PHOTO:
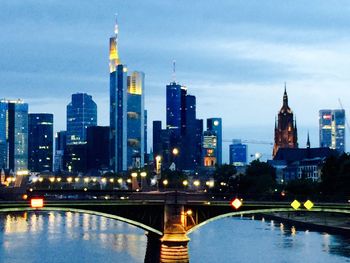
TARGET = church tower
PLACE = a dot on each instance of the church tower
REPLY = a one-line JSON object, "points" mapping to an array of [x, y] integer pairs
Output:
{"points": [[285, 127]]}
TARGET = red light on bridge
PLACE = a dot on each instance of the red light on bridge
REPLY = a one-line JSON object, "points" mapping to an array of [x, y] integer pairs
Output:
{"points": [[37, 202], [236, 203]]}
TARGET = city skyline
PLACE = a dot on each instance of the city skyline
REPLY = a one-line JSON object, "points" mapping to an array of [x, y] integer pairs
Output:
{"points": [[245, 58]]}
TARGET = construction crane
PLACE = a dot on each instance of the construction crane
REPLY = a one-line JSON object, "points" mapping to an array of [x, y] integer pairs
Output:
{"points": [[346, 120], [251, 141]]}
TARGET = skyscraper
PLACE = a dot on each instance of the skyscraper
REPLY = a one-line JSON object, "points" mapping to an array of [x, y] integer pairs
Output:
{"points": [[215, 126], [127, 113], [209, 149], [332, 129], [135, 120], [238, 153], [174, 105], [97, 148], [60, 146], [40, 142], [14, 135], [81, 113], [286, 135]]}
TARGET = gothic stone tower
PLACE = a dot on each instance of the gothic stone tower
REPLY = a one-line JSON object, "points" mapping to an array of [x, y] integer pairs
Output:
{"points": [[285, 127]]}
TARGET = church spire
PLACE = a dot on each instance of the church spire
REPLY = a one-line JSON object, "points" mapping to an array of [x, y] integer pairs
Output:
{"points": [[113, 48], [285, 96], [308, 145]]}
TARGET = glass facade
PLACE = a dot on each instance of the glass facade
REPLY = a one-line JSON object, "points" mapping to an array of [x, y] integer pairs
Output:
{"points": [[135, 120], [81, 113], [118, 120], [238, 153], [332, 129], [215, 125], [14, 135], [173, 106], [40, 142]]}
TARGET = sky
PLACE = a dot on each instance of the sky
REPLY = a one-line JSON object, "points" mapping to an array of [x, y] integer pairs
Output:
{"points": [[234, 56]]}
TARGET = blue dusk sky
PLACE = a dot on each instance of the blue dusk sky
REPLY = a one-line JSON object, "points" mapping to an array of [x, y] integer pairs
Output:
{"points": [[234, 56]]}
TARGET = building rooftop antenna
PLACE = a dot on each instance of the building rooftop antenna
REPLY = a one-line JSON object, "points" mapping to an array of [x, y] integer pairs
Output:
{"points": [[174, 71]]}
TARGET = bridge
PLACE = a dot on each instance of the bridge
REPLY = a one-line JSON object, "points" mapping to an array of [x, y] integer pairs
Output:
{"points": [[167, 217]]}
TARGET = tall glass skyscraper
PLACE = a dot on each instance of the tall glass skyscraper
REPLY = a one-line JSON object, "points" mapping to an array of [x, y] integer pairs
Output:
{"points": [[40, 142], [81, 113], [215, 125], [135, 120], [238, 153], [174, 101], [14, 135], [118, 106], [332, 129]]}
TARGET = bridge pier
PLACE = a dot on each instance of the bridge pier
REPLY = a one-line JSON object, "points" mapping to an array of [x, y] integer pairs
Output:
{"points": [[174, 241]]}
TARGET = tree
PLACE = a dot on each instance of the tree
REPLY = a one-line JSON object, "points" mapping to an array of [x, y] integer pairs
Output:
{"points": [[259, 178]]}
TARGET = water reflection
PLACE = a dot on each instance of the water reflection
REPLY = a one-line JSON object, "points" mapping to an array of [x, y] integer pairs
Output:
{"points": [[64, 236], [244, 240], [67, 235]]}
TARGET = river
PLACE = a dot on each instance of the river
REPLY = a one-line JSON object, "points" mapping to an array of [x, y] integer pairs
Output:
{"points": [[57, 237]]}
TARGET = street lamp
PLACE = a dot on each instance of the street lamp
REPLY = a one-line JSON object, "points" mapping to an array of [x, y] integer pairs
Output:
{"points": [[185, 183], [165, 182]]}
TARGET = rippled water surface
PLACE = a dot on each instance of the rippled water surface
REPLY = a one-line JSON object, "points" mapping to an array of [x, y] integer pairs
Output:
{"points": [[72, 237]]}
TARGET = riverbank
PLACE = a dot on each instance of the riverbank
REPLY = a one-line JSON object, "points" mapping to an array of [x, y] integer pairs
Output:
{"points": [[331, 223]]}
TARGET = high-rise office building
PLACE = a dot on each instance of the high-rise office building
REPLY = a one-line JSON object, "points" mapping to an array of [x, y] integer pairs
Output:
{"points": [[209, 149], [81, 113], [238, 153], [97, 148], [215, 125], [135, 120], [14, 135], [118, 106], [127, 113], [332, 129], [286, 135], [40, 142], [60, 146], [174, 105]]}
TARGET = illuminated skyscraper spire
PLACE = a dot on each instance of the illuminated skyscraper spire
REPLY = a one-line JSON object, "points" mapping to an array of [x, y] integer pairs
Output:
{"points": [[113, 48]]}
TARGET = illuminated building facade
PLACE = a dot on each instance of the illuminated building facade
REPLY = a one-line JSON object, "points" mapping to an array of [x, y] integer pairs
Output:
{"points": [[118, 106], [135, 120], [127, 114], [40, 142], [14, 135], [183, 131], [286, 135], [332, 129], [209, 149], [238, 153], [81, 113], [215, 126]]}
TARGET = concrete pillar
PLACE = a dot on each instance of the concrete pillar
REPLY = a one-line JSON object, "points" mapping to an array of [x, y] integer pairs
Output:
{"points": [[174, 241]]}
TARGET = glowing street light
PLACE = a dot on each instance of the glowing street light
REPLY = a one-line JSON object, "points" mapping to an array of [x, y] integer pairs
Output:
{"points": [[143, 174], [134, 175], [69, 179], [185, 183], [52, 179], [165, 182], [196, 183], [120, 181], [103, 180], [175, 151]]}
